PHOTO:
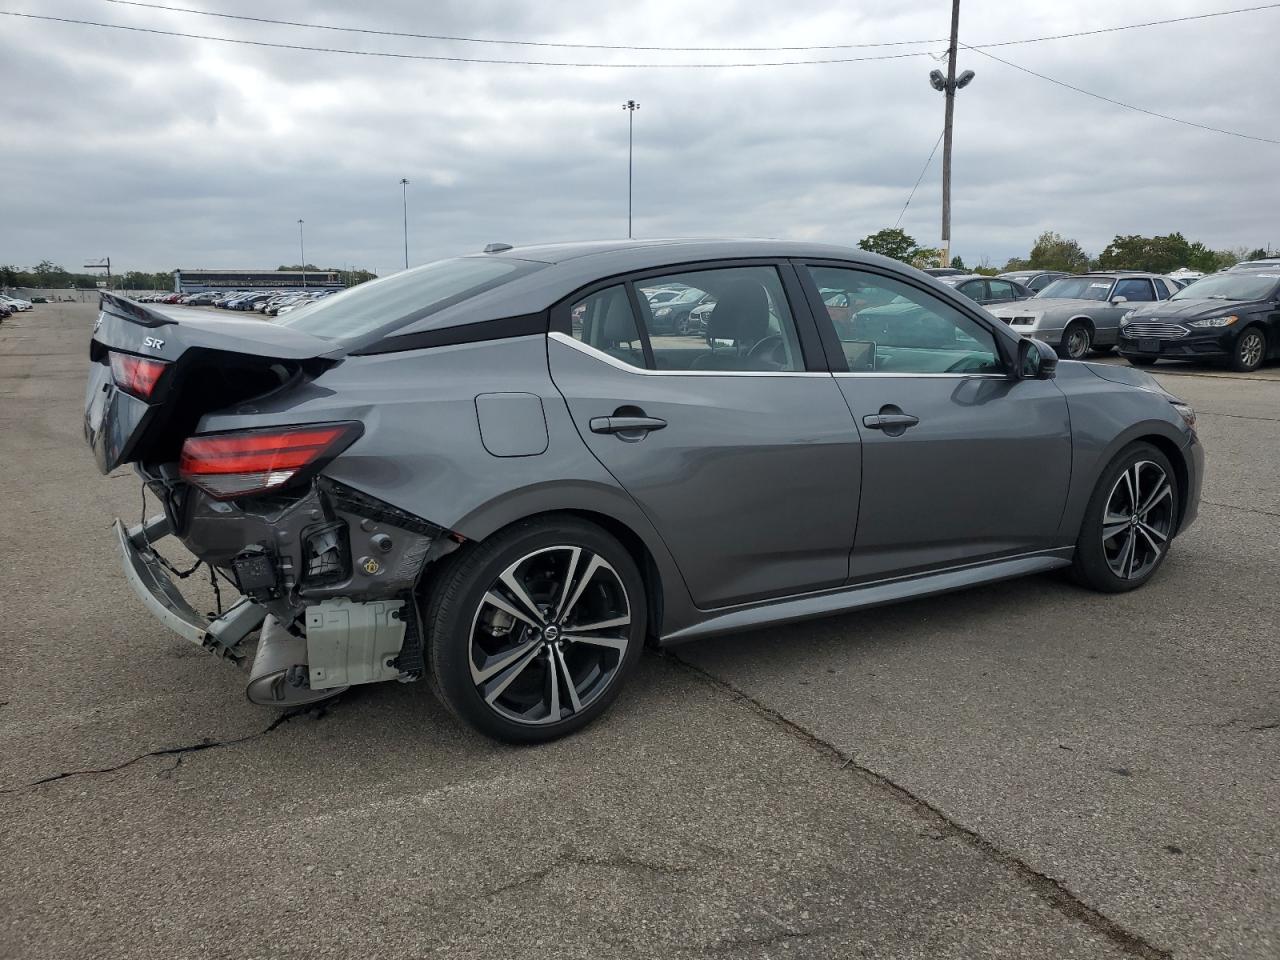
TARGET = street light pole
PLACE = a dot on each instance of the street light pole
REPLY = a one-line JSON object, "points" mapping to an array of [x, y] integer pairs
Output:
{"points": [[404, 187], [302, 249], [631, 107], [949, 85]]}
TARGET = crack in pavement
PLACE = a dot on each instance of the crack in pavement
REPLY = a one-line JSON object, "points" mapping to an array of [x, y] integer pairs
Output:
{"points": [[1232, 506], [207, 743], [1052, 891]]}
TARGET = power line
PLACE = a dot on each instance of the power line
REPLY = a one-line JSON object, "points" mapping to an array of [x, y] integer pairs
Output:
{"points": [[674, 49], [1120, 103], [919, 179], [445, 59]]}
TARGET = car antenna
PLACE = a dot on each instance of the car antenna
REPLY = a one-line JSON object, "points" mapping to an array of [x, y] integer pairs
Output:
{"points": [[497, 247]]}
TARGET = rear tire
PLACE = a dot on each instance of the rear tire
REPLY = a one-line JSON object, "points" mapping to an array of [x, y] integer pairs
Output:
{"points": [[1077, 340], [1129, 523], [532, 632], [1250, 351]]}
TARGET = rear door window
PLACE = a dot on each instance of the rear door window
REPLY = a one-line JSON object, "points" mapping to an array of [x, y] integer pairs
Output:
{"points": [[727, 319]]}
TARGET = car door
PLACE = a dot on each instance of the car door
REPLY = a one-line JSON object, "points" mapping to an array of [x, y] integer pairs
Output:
{"points": [[960, 462], [737, 443], [975, 290]]}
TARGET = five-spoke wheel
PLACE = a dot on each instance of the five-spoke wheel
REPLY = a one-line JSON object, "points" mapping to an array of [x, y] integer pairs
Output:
{"points": [[534, 629]]}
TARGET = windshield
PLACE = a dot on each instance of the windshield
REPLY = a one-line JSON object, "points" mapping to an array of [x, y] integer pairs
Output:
{"points": [[402, 297], [1230, 286], [1078, 288]]}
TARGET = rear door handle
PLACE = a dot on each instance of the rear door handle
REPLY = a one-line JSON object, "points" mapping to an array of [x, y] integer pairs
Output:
{"points": [[889, 422], [626, 424]]}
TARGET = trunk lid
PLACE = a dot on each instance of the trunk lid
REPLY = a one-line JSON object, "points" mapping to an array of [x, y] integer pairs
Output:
{"points": [[212, 363]]}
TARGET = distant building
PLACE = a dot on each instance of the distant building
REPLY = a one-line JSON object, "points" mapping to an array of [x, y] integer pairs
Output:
{"points": [[194, 281]]}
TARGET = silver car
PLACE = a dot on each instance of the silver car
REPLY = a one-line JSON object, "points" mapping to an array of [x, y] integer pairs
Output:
{"points": [[497, 474], [1082, 313]]}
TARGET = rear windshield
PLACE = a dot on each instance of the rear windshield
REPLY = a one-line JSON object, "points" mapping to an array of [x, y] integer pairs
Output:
{"points": [[403, 297]]}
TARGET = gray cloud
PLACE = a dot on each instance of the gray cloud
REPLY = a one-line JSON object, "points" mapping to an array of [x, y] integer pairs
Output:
{"points": [[164, 152]]}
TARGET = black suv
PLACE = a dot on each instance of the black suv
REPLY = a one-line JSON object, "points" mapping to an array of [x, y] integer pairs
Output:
{"points": [[1232, 316]]}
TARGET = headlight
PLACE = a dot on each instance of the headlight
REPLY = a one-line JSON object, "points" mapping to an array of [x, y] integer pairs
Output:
{"points": [[1124, 321], [662, 311], [1214, 322], [1188, 415]]}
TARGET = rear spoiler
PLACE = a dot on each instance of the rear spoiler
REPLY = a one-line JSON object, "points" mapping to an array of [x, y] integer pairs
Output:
{"points": [[133, 311]]}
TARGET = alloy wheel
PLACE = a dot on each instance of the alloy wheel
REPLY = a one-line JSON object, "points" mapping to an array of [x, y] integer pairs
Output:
{"points": [[549, 635], [1251, 347], [1138, 520]]}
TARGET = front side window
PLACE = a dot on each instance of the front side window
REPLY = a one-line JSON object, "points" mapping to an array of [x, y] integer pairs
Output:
{"points": [[905, 330], [729, 319], [1135, 290]]}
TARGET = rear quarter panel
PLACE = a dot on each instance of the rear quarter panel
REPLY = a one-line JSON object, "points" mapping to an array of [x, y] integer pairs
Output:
{"points": [[422, 448]]}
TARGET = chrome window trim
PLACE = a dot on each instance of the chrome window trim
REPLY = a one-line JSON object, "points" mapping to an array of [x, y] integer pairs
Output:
{"points": [[591, 351], [904, 373]]}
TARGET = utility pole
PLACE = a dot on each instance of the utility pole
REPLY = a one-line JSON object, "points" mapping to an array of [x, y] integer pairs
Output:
{"points": [[105, 264], [404, 187], [631, 107], [302, 249], [949, 85]]}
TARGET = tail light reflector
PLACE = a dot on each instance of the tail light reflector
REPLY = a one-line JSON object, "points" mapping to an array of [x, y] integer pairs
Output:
{"points": [[137, 376], [248, 462]]}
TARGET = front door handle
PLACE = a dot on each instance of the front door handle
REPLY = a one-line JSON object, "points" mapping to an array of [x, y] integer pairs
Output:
{"points": [[625, 425], [889, 422]]}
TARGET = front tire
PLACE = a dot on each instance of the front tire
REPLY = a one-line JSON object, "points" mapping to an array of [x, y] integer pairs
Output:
{"points": [[532, 632], [1077, 340], [1251, 350], [1129, 523]]}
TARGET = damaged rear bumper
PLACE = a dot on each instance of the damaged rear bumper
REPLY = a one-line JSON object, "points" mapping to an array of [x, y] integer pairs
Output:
{"points": [[159, 594], [329, 577]]}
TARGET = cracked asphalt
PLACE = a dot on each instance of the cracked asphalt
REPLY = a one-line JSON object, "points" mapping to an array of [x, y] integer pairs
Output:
{"points": [[1025, 770]]}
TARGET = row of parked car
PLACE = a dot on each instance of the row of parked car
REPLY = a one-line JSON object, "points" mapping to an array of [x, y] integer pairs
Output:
{"points": [[271, 302], [1232, 316], [11, 305]]}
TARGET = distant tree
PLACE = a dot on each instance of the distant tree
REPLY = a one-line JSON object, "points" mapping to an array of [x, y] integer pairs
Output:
{"points": [[924, 258], [1157, 254], [1257, 254], [890, 242], [958, 264], [1052, 251], [1014, 263], [1209, 261]]}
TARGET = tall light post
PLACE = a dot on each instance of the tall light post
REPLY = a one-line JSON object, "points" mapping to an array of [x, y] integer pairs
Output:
{"points": [[404, 187], [302, 249], [949, 85], [631, 107]]}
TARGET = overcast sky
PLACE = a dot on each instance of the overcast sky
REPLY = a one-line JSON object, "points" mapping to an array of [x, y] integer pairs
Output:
{"points": [[163, 152]]}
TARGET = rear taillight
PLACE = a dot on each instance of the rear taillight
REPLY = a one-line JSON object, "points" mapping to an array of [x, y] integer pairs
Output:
{"points": [[137, 376], [248, 462]]}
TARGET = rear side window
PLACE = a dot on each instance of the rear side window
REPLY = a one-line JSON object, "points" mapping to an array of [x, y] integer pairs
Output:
{"points": [[1134, 288], [606, 322], [404, 297], [728, 319]]}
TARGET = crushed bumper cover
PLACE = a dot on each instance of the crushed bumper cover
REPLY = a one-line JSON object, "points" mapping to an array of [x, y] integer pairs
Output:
{"points": [[158, 593]]}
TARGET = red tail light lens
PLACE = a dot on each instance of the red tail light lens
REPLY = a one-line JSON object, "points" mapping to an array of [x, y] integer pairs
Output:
{"points": [[137, 376], [248, 462]]}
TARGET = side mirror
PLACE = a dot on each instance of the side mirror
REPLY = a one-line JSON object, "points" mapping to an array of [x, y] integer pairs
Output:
{"points": [[1116, 301], [1036, 360]]}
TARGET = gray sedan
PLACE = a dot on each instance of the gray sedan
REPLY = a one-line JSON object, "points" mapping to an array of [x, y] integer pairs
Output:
{"points": [[494, 474], [1082, 313]]}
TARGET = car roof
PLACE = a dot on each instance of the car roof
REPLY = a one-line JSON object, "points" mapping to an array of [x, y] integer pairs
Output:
{"points": [[662, 251]]}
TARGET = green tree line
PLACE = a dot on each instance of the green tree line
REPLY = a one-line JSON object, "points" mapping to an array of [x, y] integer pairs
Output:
{"points": [[1052, 251]]}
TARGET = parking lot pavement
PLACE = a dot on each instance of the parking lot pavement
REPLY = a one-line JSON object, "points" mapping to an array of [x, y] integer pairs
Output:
{"points": [[1025, 770]]}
